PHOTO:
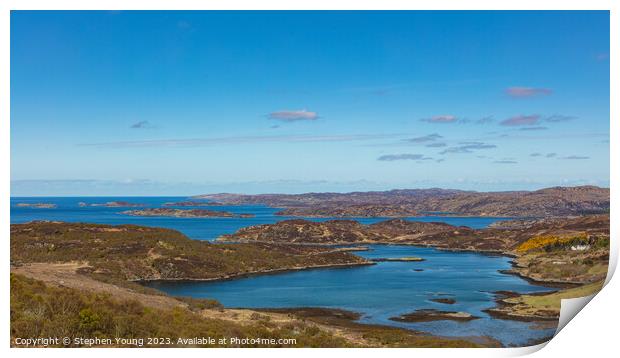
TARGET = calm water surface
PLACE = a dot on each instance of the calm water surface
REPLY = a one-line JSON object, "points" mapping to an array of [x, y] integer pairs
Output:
{"points": [[379, 291]]}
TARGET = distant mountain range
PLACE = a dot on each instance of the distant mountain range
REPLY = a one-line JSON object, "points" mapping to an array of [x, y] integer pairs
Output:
{"points": [[555, 201]]}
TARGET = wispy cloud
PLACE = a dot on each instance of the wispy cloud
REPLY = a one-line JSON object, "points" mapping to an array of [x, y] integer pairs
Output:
{"points": [[524, 92], [555, 155], [505, 161], [393, 157], [559, 118], [446, 118], [575, 157], [202, 142], [521, 120], [468, 147], [294, 116], [427, 138], [535, 120], [533, 128], [437, 145], [141, 125]]}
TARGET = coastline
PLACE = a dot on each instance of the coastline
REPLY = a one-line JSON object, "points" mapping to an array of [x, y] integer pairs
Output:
{"points": [[494, 312], [348, 246], [549, 282], [347, 318], [544, 282], [255, 273]]}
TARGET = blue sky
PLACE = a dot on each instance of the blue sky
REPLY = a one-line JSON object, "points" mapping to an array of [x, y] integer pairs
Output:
{"points": [[167, 103]]}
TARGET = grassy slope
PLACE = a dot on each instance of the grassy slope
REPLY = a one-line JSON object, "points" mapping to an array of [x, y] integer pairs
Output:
{"points": [[550, 258], [546, 305], [553, 300], [38, 310], [128, 252]]}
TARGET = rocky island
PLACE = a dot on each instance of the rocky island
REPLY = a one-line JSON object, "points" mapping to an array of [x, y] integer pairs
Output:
{"points": [[446, 301], [428, 315], [114, 204], [193, 203], [36, 205], [185, 213]]}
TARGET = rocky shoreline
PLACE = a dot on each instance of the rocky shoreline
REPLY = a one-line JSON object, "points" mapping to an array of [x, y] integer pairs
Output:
{"points": [[254, 273], [429, 315], [542, 306], [543, 282], [398, 259]]}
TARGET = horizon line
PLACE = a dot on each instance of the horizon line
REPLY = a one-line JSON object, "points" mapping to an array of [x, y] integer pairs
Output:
{"points": [[304, 193]]}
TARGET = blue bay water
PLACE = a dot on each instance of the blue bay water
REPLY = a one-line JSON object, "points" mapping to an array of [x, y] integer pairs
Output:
{"points": [[196, 228], [378, 292]]}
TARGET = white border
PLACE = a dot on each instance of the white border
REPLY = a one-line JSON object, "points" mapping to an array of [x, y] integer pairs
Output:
{"points": [[591, 332]]}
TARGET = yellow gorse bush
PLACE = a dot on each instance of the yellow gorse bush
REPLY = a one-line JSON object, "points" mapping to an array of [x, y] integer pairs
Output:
{"points": [[540, 242]]}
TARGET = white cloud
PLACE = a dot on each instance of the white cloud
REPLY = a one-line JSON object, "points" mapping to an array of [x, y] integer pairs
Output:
{"points": [[294, 116]]}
